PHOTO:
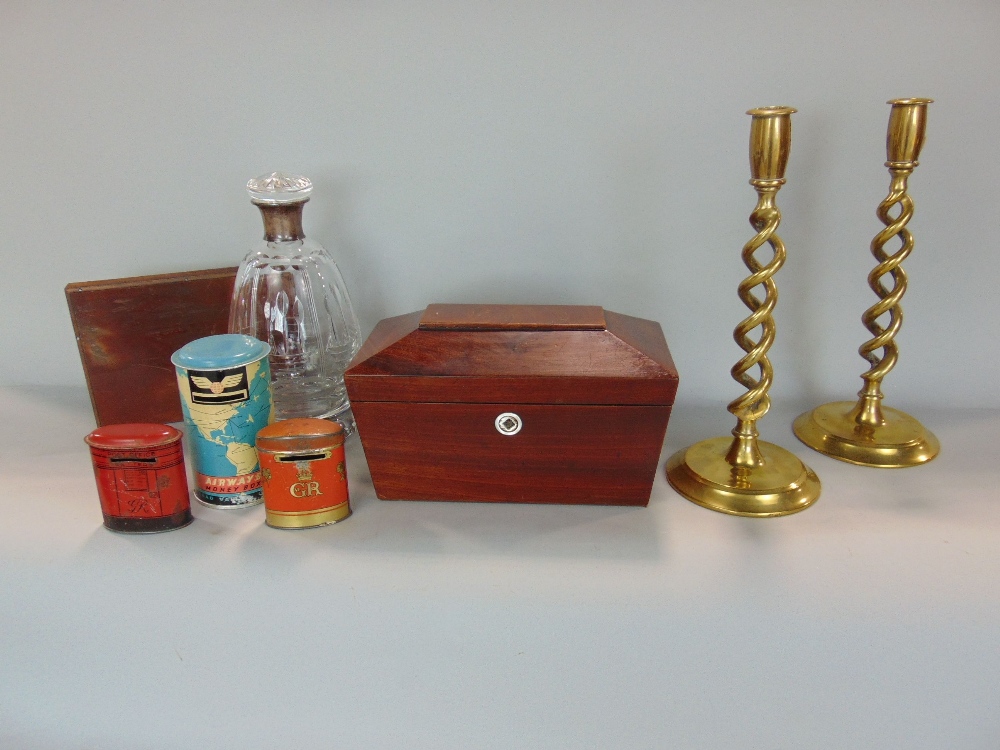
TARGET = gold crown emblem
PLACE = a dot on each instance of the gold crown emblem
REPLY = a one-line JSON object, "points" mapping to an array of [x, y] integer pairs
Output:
{"points": [[305, 470]]}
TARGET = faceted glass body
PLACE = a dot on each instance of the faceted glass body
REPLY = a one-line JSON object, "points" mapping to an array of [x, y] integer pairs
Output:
{"points": [[289, 293]]}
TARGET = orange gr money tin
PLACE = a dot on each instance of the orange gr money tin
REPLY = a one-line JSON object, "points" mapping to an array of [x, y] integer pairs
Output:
{"points": [[303, 473]]}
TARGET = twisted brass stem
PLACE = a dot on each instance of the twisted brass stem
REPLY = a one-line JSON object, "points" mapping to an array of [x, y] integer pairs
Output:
{"points": [[889, 297], [754, 404]]}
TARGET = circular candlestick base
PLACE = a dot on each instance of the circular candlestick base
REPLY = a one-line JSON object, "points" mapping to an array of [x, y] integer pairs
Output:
{"points": [[899, 442], [780, 486]]}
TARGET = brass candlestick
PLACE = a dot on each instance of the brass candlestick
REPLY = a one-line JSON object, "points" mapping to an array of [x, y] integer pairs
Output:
{"points": [[866, 432], [741, 475]]}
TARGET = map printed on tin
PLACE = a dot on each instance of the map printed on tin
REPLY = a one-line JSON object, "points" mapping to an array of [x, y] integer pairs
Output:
{"points": [[228, 430]]}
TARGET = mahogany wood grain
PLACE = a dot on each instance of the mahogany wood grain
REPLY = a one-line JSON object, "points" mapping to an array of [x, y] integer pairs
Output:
{"points": [[594, 389], [643, 335], [597, 455], [386, 333], [527, 390], [513, 317], [126, 330], [531, 366]]}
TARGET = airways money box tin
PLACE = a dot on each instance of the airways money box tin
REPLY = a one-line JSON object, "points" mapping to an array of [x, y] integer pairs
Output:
{"points": [[140, 477], [225, 388], [304, 473]]}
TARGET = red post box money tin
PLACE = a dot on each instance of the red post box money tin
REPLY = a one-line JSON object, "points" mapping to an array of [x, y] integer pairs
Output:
{"points": [[140, 477]]}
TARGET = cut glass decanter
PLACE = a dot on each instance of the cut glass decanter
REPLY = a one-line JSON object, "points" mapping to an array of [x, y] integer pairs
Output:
{"points": [[289, 293]]}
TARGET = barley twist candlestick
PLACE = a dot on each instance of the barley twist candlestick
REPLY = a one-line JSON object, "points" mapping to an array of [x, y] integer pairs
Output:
{"points": [[742, 475], [866, 432]]}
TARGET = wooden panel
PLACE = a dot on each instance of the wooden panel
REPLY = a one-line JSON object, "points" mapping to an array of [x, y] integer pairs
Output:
{"points": [[581, 367], [512, 389], [596, 354], [127, 329], [596, 455], [386, 333], [513, 318], [643, 335]]}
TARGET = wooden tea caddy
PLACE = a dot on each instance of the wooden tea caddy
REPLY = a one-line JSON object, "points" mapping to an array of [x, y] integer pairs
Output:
{"points": [[513, 403]]}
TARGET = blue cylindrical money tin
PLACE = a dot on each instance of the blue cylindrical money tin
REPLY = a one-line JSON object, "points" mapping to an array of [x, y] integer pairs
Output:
{"points": [[225, 389]]}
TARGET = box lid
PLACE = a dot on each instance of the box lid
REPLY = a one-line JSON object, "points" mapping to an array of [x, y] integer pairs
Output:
{"points": [[545, 354], [127, 329]]}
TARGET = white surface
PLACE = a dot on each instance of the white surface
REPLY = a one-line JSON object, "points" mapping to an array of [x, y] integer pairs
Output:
{"points": [[521, 151], [871, 620]]}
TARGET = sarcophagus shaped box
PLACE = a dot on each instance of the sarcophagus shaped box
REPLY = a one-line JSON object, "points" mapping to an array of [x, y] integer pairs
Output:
{"points": [[513, 403]]}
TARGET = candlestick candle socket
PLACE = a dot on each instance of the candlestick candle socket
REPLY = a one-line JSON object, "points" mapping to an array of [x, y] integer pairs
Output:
{"points": [[743, 475]]}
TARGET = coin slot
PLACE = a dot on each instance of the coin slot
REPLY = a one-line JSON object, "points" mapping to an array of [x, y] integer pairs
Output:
{"points": [[301, 457], [130, 460]]}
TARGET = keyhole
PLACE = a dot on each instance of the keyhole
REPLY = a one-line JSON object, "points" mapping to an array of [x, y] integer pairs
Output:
{"points": [[508, 423]]}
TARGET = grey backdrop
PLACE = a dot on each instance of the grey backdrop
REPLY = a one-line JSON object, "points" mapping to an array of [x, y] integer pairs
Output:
{"points": [[590, 153]]}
